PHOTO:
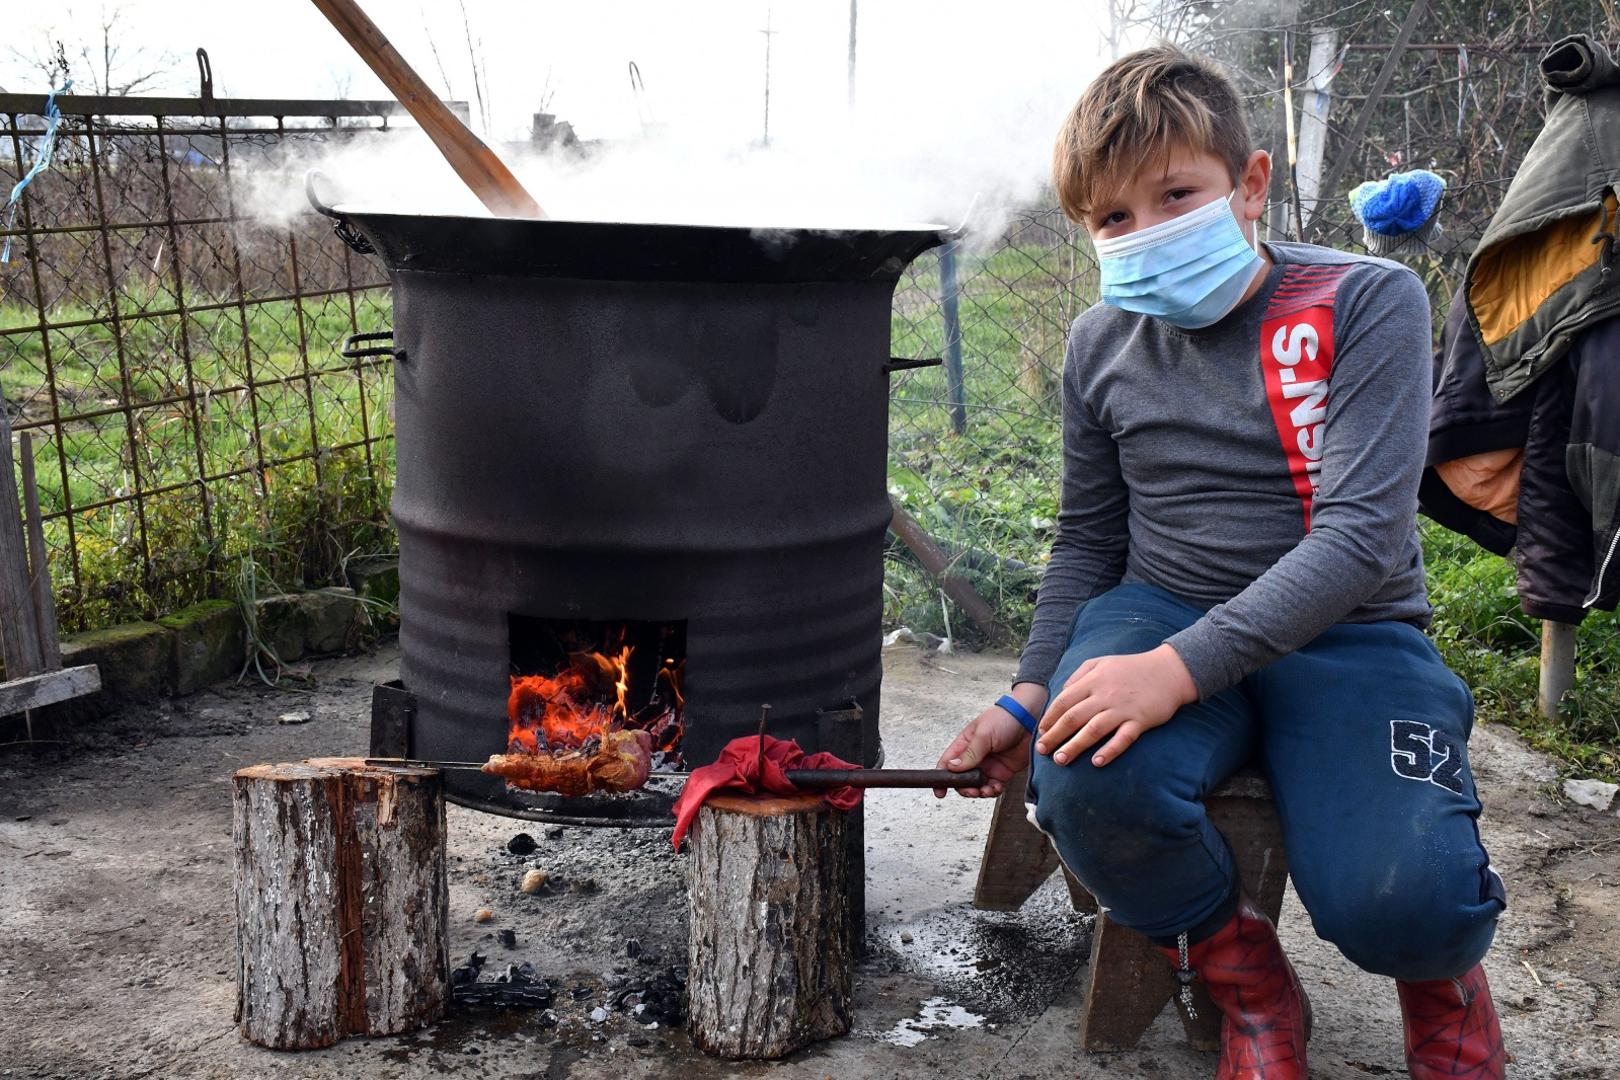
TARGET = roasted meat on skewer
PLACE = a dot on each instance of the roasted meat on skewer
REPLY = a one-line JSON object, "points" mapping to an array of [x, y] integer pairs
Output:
{"points": [[621, 762]]}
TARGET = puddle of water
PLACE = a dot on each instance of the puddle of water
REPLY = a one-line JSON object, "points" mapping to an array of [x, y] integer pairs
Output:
{"points": [[1002, 965], [934, 1015]]}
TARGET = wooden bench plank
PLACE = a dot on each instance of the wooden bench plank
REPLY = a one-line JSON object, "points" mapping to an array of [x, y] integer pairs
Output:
{"points": [[48, 688], [1017, 856]]}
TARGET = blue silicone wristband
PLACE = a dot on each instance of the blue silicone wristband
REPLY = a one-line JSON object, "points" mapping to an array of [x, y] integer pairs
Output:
{"points": [[1016, 709]]}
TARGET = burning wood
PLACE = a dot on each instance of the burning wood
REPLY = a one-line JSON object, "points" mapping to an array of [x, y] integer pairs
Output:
{"points": [[574, 732]]}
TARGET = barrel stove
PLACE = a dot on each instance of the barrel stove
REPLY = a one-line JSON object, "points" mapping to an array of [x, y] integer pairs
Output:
{"points": [[658, 447]]}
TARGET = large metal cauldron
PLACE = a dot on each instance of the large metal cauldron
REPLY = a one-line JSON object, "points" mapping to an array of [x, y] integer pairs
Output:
{"points": [[640, 422]]}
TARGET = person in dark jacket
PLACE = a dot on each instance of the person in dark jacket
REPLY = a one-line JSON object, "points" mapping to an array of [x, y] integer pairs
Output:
{"points": [[1539, 473]]}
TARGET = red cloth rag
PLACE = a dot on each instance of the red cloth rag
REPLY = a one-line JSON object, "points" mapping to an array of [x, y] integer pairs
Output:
{"points": [[737, 769]]}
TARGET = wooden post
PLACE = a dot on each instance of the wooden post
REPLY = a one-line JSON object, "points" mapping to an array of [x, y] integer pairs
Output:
{"points": [[769, 954], [1557, 665], [39, 566], [19, 633], [341, 901]]}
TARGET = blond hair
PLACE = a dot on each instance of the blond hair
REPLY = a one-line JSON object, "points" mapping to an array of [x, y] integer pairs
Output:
{"points": [[1140, 108]]}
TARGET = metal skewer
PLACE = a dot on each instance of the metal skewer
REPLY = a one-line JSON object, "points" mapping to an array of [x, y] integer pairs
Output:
{"points": [[809, 779]]}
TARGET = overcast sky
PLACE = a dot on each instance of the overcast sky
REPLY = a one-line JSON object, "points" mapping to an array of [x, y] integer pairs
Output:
{"points": [[697, 59]]}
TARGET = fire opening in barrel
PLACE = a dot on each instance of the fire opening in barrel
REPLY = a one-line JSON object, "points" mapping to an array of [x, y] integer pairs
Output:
{"points": [[585, 690]]}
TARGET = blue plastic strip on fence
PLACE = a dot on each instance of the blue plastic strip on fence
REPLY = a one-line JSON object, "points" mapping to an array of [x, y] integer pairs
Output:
{"points": [[42, 161]]}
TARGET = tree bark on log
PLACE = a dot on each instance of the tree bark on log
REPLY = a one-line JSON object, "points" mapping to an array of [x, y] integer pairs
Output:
{"points": [[769, 957], [341, 901]]}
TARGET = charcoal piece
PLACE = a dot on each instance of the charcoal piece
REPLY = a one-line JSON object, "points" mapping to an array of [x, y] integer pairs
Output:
{"points": [[461, 976], [507, 937], [475, 959], [547, 1019], [506, 995], [581, 992], [521, 844], [554, 833], [632, 948], [637, 1040]]}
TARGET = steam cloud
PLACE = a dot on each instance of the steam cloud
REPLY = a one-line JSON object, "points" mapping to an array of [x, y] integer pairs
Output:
{"points": [[957, 122]]}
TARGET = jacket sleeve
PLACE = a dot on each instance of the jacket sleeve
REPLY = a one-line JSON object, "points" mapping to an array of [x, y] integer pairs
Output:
{"points": [[1088, 555], [1364, 517], [1593, 455], [1555, 565]]}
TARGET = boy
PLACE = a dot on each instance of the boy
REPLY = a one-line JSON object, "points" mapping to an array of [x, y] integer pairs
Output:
{"points": [[1237, 577]]}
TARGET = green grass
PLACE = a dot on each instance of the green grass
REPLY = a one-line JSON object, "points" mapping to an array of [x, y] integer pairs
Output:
{"points": [[175, 547], [1495, 647]]}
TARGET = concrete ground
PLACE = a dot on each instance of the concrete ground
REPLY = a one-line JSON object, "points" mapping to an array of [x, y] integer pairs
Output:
{"points": [[117, 938]]}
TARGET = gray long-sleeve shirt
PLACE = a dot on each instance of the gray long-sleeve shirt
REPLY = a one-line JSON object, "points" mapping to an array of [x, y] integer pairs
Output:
{"points": [[1188, 457]]}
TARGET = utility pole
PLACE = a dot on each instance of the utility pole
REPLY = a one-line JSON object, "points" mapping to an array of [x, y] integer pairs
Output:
{"points": [[769, 33], [852, 4]]}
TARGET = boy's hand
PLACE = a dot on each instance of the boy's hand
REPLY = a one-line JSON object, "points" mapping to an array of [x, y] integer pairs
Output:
{"points": [[1124, 695], [995, 743]]}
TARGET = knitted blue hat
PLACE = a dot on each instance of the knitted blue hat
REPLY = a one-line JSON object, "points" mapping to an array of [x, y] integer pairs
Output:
{"points": [[1399, 213]]}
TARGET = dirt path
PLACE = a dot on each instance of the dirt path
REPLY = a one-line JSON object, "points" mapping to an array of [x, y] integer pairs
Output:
{"points": [[117, 947]]}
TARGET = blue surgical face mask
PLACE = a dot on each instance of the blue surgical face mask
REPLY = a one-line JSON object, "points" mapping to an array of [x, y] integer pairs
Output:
{"points": [[1190, 271]]}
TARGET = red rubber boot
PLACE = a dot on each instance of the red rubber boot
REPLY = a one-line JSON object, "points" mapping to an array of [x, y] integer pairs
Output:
{"points": [[1451, 1029], [1266, 1016]]}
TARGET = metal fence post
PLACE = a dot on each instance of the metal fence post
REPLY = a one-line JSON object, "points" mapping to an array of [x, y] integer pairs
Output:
{"points": [[1557, 665], [948, 299]]}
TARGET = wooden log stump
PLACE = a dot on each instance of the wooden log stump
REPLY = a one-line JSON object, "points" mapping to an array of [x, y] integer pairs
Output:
{"points": [[769, 954], [341, 901]]}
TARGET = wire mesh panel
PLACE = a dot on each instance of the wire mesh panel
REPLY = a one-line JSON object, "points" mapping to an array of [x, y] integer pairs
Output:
{"points": [[974, 442], [178, 363]]}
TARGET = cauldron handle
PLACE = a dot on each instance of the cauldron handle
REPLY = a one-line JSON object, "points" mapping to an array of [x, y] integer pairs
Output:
{"points": [[340, 224]]}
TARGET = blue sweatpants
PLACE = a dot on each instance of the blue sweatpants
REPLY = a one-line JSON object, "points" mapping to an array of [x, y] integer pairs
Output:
{"points": [[1363, 736]]}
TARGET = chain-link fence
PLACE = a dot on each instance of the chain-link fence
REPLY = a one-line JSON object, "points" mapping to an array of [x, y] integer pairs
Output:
{"points": [[175, 363]]}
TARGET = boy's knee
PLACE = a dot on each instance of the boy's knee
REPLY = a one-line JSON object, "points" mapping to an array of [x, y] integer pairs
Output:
{"points": [[1408, 929]]}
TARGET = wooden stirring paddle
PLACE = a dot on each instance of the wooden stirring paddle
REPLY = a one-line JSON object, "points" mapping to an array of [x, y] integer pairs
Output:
{"points": [[474, 162]]}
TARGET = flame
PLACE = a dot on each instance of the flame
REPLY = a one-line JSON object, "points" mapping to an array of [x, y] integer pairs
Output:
{"points": [[589, 697]]}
